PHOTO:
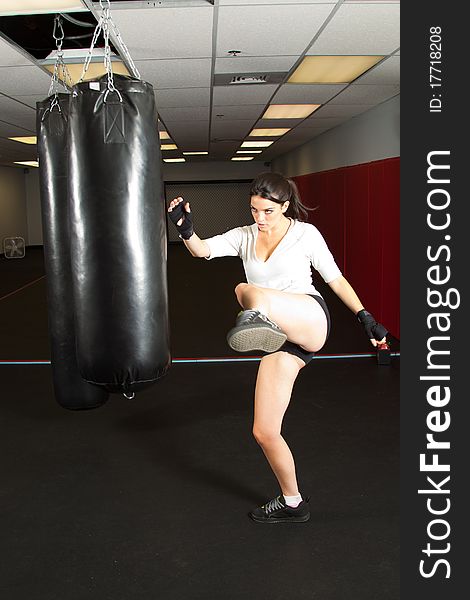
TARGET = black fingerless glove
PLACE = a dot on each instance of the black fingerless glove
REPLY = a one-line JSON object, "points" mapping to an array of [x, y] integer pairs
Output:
{"points": [[373, 329], [186, 228]]}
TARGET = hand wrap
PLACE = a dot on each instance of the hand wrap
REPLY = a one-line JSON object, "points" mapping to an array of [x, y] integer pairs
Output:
{"points": [[373, 329], [186, 228]]}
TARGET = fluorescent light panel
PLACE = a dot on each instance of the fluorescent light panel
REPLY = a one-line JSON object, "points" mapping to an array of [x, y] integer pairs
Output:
{"points": [[27, 163], [273, 132], [256, 144], [249, 151], [164, 135], [194, 153], [25, 139], [177, 160], [242, 158], [332, 69], [290, 111], [35, 7], [168, 147]]}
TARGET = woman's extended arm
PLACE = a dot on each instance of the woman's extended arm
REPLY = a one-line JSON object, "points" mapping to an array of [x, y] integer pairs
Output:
{"points": [[343, 289], [197, 247], [180, 215]]}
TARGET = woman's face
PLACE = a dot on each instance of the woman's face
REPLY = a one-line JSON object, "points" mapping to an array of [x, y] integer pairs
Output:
{"points": [[266, 213]]}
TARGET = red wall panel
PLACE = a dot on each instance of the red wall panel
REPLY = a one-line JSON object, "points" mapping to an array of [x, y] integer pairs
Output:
{"points": [[375, 240], [359, 215], [357, 231], [391, 246]]}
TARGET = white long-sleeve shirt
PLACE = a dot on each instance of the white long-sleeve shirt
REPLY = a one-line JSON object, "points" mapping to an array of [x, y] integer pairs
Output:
{"points": [[288, 267]]}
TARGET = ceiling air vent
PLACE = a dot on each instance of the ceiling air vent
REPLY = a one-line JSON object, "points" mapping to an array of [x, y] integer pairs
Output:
{"points": [[249, 78], [238, 79]]}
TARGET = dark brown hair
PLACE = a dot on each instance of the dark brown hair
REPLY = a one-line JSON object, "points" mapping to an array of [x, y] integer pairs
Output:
{"points": [[280, 189]]}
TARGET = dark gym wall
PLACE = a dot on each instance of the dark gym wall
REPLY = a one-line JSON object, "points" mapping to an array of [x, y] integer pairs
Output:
{"points": [[217, 205], [13, 218], [359, 215]]}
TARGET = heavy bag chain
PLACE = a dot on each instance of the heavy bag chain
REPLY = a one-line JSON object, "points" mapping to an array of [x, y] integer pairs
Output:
{"points": [[60, 68], [103, 26]]}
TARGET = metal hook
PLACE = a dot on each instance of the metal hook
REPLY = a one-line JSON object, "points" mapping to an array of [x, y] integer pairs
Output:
{"points": [[58, 25]]}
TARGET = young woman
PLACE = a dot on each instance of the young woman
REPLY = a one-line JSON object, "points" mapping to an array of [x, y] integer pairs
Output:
{"points": [[283, 314]]}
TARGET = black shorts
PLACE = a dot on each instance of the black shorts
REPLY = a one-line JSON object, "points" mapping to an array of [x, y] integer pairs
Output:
{"points": [[297, 350]]}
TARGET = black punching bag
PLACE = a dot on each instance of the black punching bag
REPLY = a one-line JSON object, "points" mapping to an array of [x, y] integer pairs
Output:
{"points": [[70, 390], [118, 234]]}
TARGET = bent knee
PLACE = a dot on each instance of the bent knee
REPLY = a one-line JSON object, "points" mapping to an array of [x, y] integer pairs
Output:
{"points": [[264, 436], [240, 287], [284, 363]]}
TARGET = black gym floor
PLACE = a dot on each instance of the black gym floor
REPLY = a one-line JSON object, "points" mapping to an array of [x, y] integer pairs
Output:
{"points": [[148, 498]]}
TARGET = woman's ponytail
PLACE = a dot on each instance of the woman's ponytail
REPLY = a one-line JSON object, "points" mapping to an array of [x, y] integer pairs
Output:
{"points": [[299, 210]]}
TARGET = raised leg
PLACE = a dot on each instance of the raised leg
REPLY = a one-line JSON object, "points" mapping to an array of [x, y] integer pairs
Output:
{"points": [[299, 316]]}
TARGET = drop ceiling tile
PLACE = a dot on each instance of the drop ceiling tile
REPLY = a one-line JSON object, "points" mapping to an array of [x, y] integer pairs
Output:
{"points": [[32, 99], [242, 2], [360, 29], [10, 154], [182, 97], [254, 64], [282, 147], [244, 111], [10, 57], [306, 94], [306, 134], [366, 94], [176, 74], [231, 129], [318, 121], [387, 72], [197, 113], [17, 113], [256, 30], [14, 147], [196, 131], [342, 110], [223, 148], [243, 94], [10, 129], [184, 32], [24, 80]]}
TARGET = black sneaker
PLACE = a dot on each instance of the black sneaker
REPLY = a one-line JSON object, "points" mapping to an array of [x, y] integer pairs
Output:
{"points": [[276, 511], [254, 331]]}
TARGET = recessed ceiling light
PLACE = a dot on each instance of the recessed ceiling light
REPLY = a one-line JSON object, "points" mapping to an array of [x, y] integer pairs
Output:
{"points": [[164, 135], [290, 111], [194, 153], [249, 151], [242, 158], [27, 163], [178, 160], [332, 69], [256, 144], [168, 147], [276, 131], [34, 7], [25, 139]]}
